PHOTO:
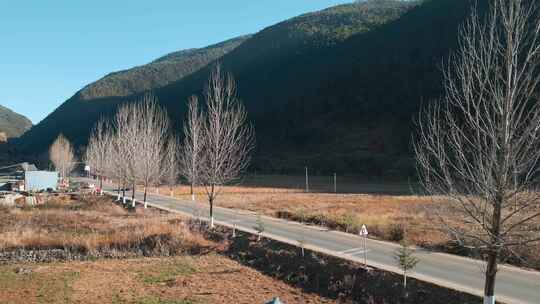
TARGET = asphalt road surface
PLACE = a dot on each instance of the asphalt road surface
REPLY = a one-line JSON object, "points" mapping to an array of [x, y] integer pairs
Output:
{"points": [[514, 285]]}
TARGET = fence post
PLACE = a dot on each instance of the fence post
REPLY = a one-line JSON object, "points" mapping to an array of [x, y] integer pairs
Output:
{"points": [[335, 183], [307, 180]]}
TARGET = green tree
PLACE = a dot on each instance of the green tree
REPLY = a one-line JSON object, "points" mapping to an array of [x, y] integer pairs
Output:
{"points": [[406, 260], [259, 227]]}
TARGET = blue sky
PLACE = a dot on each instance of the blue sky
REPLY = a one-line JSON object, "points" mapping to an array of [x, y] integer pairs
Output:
{"points": [[50, 49]]}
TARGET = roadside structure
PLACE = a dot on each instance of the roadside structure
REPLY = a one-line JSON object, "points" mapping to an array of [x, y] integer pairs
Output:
{"points": [[27, 177]]}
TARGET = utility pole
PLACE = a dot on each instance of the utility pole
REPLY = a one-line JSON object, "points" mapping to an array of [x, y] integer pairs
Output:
{"points": [[335, 183], [307, 180]]}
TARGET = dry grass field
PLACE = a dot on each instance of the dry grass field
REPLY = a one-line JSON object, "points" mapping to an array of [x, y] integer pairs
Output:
{"points": [[389, 210], [116, 255], [157, 258], [91, 225], [179, 280]]}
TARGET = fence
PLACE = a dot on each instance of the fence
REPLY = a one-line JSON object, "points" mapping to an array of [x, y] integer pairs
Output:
{"points": [[330, 184]]}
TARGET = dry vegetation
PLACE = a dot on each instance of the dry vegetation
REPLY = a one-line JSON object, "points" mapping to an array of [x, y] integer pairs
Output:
{"points": [[223, 270], [179, 280], [94, 226], [389, 217]]}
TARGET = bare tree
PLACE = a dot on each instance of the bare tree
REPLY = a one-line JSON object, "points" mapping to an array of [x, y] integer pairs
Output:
{"points": [[98, 151], [126, 126], [228, 138], [116, 169], [170, 163], [118, 154], [152, 128], [140, 140], [62, 156], [190, 156], [480, 145]]}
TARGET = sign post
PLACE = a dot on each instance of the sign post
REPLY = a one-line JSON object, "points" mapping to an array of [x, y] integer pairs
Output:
{"points": [[364, 234]]}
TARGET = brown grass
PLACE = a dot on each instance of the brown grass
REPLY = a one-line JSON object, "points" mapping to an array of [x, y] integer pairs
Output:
{"points": [[391, 217], [89, 225], [382, 214], [185, 280]]}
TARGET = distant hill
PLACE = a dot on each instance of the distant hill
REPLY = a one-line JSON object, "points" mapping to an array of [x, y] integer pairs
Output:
{"points": [[158, 73], [12, 124], [335, 90]]}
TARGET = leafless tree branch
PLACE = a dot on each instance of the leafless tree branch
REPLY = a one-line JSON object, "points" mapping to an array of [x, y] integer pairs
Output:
{"points": [[480, 145]]}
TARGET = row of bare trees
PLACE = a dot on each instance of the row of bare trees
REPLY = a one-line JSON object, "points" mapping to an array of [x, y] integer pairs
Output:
{"points": [[479, 146], [138, 147], [132, 149]]}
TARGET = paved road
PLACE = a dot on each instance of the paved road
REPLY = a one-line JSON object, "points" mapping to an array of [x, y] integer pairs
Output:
{"points": [[514, 285]]}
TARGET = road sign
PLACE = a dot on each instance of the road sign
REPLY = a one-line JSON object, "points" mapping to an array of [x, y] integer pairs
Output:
{"points": [[363, 231], [364, 234]]}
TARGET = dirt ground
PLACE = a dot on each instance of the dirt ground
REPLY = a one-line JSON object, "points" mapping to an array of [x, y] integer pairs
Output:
{"points": [[179, 280]]}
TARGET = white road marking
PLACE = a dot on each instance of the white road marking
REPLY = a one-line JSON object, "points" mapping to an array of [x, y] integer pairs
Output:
{"points": [[359, 252], [354, 251]]}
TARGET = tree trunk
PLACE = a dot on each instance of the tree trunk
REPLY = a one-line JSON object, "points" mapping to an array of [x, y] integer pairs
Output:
{"points": [[405, 280], [124, 193], [145, 191], [212, 213], [211, 200], [491, 273], [193, 194], [100, 185], [133, 196], [493, 254]]}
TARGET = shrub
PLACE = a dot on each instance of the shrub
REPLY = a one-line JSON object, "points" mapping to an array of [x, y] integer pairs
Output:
{"points": [[349, 222], [396, 233]]}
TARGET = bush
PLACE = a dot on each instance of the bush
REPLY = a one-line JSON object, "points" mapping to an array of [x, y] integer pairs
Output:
{"points": [[349, 222], [396, 233]]}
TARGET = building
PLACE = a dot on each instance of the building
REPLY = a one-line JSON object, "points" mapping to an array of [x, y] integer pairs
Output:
{"points": [[27, 177], [35, 181]]}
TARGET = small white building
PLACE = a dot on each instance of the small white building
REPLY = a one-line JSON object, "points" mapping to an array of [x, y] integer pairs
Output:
{"points": [[26, 177]]}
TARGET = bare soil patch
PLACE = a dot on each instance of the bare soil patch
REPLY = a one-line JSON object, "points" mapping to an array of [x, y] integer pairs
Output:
{"points": [[211, 279]]}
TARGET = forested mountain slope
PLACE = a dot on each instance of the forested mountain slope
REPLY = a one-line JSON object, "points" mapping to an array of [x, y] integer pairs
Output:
{"points": [[12, 124], [158, 73], [335, 90]]}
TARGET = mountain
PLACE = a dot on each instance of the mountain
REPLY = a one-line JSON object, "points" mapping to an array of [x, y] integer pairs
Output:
{"points": [[335, 90], [76, 116], [12, 124], [158, 73]]}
